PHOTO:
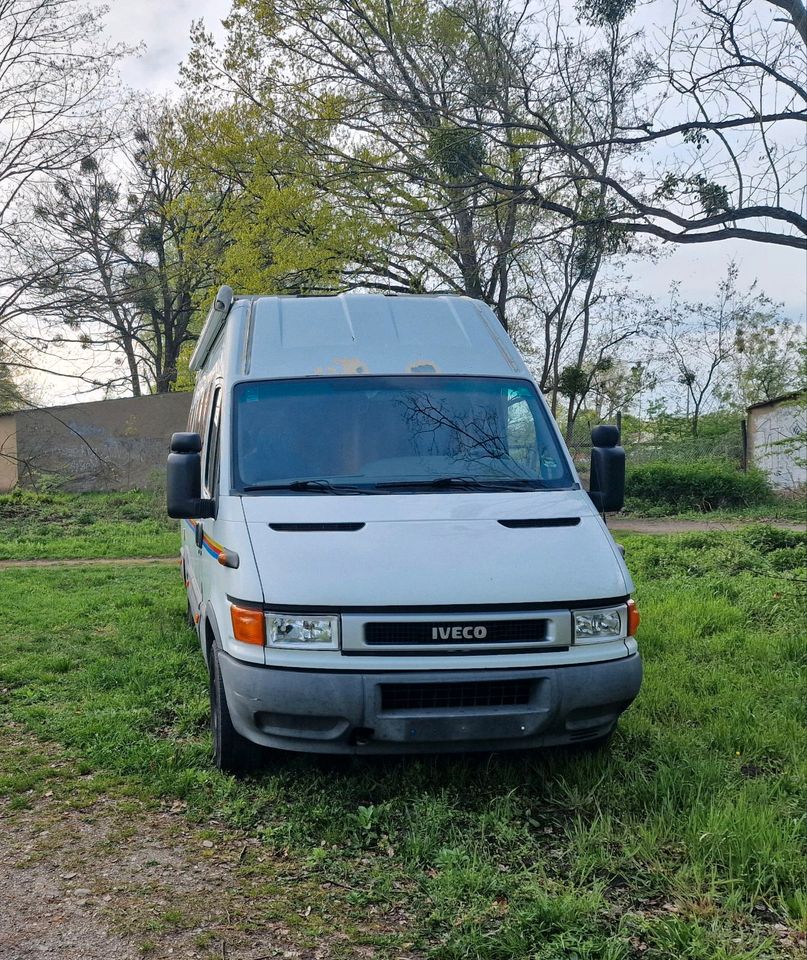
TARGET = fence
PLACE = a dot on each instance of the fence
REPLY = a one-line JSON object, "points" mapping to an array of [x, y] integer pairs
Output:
{"points": [[646, 445]]}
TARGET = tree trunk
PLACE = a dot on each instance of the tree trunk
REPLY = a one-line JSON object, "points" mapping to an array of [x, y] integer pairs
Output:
{"points": [[134, 375], [570, 418]]}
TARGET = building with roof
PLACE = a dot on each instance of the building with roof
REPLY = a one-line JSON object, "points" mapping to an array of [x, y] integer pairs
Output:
{"points": [[777, 440]]}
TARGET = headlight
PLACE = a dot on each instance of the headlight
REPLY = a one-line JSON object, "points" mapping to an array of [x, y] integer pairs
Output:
{"points": [[592, 626], [302, 631]]}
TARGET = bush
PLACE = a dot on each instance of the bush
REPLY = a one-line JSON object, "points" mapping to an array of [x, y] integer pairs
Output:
{"points": [[705, 485]]}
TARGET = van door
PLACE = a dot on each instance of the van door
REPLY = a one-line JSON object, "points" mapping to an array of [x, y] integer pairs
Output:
{"points": [[211, 468], [191, 529]]}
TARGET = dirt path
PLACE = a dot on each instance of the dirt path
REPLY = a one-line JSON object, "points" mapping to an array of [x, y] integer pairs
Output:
{"points": [[117, 881], [89, 876], [87, 561], [628, 525]]}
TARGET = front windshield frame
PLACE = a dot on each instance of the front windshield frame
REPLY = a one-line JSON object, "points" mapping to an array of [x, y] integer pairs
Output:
{"points": [[540, 411]]}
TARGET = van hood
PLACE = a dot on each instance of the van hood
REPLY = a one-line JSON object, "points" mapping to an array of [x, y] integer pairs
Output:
{"points": [[433, 550]]}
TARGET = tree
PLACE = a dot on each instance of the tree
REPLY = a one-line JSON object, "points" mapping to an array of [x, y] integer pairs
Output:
{"points": [[278, 229], [54, 79], [704, 343], [765, 363], [366, 97], [366, 93], [600, 374], [12, 394], [113, 262], [709, 148]]}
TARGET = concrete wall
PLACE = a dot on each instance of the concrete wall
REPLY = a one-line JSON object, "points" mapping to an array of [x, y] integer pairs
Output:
{"points": [[107, 445], [768, 426]]}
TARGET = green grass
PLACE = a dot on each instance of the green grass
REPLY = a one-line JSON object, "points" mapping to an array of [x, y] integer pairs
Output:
{"points": [[64, 526], [686, 841], [780, 508]]}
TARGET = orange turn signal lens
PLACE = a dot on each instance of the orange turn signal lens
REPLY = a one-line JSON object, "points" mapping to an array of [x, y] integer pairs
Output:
{"points": [[633, 618], [248, 625]]}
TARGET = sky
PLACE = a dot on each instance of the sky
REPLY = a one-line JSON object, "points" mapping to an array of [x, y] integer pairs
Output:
{"points": [[163, 26]]}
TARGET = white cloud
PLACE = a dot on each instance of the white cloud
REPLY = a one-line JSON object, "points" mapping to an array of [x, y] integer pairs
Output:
{"points": [[164, 28]]}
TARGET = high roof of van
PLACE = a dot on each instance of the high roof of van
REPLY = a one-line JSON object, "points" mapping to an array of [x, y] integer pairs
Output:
{"points": [[355, 333]]}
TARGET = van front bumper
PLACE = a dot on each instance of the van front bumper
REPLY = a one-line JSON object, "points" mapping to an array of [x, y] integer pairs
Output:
{"points": [[427, 712]]}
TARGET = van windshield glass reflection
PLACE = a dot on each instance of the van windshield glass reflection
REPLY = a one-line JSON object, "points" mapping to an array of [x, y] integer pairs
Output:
{"points": [[383, 434]]}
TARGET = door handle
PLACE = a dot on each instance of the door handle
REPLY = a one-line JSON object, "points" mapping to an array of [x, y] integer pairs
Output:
{"points": [[199, 535]]}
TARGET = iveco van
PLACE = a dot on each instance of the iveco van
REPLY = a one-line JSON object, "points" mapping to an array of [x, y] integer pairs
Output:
{"points": [[385, 544]]}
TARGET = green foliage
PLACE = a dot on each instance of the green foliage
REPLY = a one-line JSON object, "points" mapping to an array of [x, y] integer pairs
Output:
{"points": [[572, 381], [11, 394], [766, 361], [458, 151], [277, 230], [704, 486], [605, 12], [714, 198]]}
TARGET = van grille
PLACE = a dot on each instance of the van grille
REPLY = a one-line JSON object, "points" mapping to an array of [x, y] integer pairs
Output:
{"points": [[445, 696], [422, 633]]}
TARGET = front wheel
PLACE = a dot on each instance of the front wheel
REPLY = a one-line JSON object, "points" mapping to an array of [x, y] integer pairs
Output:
{"points": [[232, 753]]}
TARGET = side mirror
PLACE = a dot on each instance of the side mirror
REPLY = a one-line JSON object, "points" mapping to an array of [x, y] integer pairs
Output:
{"points": [[607, 479], [183, 481]]}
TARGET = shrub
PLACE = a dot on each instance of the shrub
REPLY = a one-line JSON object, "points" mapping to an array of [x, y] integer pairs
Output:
{"points": [[704, 485]]}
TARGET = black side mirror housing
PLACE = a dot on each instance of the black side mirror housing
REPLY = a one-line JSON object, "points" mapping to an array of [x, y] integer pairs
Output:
{"points": [[183, 480], [607, 478]]}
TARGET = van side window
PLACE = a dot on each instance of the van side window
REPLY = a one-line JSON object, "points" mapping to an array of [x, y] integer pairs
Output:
{"points": [[520, 431], [528, 442], [212, 446]]}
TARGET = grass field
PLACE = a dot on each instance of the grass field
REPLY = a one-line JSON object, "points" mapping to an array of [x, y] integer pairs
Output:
{"points": [[687, 840], [782, 508], [42, 526]]}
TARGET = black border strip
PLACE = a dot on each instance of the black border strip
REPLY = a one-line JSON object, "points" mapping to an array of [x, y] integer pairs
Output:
{"points": [[314, 527], [584, 604], [465, 652], [546, 522]]}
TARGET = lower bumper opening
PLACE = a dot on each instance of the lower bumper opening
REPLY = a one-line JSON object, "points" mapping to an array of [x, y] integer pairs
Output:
{"points": [[452, 696]]}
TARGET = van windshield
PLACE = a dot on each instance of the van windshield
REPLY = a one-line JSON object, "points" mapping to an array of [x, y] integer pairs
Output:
{"points": [[394, 434]]}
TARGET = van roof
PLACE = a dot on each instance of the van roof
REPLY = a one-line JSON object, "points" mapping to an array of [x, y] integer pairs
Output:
{"points": [[359, 333]]}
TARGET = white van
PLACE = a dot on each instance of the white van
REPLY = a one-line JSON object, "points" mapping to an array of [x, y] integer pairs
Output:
{"points": [[386, 546]]}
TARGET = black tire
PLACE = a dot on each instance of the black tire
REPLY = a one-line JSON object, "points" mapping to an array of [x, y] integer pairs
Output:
{"points": [[232, 753]]}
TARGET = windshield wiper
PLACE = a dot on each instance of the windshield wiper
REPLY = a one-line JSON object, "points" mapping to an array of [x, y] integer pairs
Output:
{"points": [[470, 483], [309, 486]]}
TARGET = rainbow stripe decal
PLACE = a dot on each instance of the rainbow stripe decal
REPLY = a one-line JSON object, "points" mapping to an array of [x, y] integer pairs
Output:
{"points": [[214, 549]]}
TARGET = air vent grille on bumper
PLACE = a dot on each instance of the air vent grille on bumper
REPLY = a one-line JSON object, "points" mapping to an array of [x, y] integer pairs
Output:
{"points": [[447, 696], [443, 632]]}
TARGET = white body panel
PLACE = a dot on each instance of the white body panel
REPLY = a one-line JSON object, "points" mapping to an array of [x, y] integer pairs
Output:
{"points": [[434, 549]]}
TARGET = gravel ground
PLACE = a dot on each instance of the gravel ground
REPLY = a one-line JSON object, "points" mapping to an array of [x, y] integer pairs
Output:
{"points": [[115, 879]]}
